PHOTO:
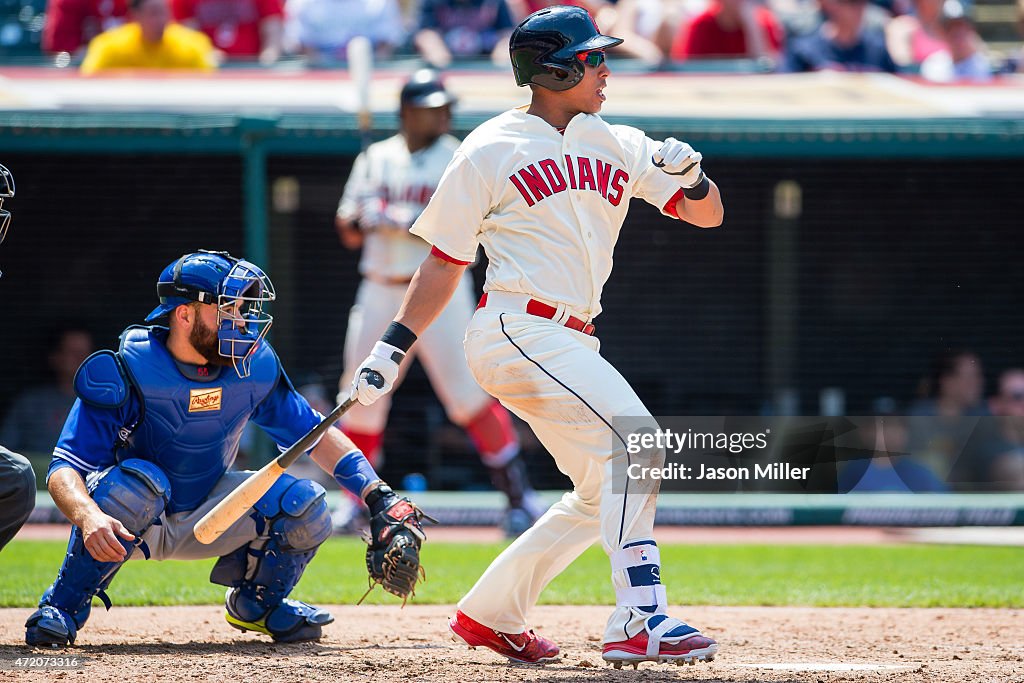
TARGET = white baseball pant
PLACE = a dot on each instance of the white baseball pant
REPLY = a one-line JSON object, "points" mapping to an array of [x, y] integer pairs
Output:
{"points": [[554, 378]]}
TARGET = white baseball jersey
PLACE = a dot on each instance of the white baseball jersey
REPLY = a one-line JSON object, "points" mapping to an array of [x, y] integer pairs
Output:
{"points": [[386, 192], [547, 207]]}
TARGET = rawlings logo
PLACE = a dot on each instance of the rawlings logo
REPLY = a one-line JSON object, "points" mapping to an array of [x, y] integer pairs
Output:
{"points": [[400, 510], [204, 400]]}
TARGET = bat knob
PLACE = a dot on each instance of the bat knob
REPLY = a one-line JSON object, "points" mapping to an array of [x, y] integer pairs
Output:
{"points": [[374, 378]]}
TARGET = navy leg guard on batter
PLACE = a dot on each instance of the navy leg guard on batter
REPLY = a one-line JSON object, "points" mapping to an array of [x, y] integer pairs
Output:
{"points": [[639, 630], [293, 520], [641, 563], [135, 493]]}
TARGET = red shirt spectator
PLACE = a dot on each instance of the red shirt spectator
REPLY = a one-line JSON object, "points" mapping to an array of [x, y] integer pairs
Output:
{"points": [[232, 25], [720, 31], [71, 24]]}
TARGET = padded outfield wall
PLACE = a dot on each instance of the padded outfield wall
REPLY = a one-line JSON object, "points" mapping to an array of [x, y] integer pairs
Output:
{"points": [[870, 222]]}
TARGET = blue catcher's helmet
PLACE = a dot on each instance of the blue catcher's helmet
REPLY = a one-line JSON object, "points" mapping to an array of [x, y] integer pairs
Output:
{"points": [[238, 288]]}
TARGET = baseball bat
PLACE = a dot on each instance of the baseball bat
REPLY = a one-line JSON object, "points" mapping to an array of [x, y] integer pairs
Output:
{"points": [[233, 506], [360, 65]]}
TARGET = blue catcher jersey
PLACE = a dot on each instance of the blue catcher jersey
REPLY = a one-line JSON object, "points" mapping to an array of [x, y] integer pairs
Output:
{"points": [[188, 425]]}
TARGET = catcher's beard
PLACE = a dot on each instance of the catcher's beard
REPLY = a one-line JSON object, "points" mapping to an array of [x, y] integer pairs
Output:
{"points": [[204, 340]]}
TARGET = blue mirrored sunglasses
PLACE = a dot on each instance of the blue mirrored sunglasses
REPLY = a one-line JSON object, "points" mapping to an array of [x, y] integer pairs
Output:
{"points": [[593, 58]]}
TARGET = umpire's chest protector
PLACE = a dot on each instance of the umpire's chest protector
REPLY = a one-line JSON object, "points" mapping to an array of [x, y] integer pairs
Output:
{"points": [[190, 428]]}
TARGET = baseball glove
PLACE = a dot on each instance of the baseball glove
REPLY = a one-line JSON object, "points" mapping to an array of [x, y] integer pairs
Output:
{"points": [[393, 552]]}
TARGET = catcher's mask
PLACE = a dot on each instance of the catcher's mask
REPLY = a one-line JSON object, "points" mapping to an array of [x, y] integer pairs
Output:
{"points": [[240, 290]]}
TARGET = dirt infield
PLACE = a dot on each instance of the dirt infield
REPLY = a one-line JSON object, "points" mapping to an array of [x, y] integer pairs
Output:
{"points": [[768, 644]]}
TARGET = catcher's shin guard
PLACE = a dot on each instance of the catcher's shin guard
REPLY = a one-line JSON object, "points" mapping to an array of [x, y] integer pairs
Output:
{"points": [[135, 493], [293, 521]]}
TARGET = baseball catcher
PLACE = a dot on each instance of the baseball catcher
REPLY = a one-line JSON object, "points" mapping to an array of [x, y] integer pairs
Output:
{"points": [[147, 446]]}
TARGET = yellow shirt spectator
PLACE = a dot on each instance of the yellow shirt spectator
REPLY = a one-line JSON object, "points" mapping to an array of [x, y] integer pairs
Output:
{"points": [[124, 47]]}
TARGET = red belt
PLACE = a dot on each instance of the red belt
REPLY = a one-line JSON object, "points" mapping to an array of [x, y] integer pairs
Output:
{"points": [[543, 310]]}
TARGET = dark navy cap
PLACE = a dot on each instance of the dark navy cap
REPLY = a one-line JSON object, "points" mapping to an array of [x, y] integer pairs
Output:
{"points": [[425, 89]]}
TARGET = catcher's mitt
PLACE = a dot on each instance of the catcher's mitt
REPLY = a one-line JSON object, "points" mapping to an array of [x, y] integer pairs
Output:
{"points": [[393, 555]]}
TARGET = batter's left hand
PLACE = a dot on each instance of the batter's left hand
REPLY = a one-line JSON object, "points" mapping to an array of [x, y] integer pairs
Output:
{"points": [[377, 374], [678, 158]]}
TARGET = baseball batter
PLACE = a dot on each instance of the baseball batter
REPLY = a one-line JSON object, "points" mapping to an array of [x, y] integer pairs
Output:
{"points": [[17, 480], [146, 449], [545, 188], [390, 185]]}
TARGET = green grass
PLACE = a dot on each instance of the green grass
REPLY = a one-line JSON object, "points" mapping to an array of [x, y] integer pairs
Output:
{"points": [[891, 576]]}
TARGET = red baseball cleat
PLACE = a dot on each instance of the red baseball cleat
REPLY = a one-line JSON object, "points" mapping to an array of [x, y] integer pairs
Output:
{"points": [[663, 639], [526, 647]]}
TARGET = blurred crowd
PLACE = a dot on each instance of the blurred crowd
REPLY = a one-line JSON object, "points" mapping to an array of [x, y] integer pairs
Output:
{"points": [[951, 437], [936, 39]]}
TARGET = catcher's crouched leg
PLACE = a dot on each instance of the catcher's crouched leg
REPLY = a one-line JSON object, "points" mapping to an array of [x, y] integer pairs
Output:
{"points": [[135, 493], [292, 520]]}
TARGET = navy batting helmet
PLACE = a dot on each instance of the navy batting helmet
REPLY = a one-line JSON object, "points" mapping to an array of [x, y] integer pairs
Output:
{"points": [[545, 44], [425, 89]]}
